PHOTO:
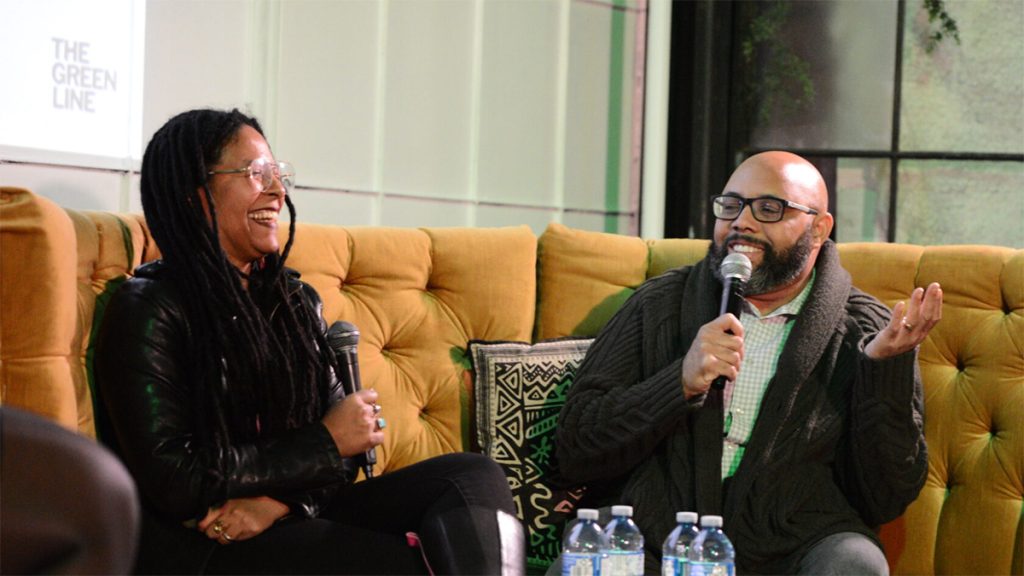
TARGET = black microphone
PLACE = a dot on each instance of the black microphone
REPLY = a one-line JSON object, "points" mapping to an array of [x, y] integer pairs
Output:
{"points": [[735, 270], [343, 338]]}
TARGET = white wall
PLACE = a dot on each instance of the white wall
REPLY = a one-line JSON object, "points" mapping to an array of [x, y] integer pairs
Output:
{"points": [[412, 112]]}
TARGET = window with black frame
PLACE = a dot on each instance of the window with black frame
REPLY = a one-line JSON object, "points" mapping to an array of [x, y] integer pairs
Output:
{"points": [[917, 122], [912, 109]]}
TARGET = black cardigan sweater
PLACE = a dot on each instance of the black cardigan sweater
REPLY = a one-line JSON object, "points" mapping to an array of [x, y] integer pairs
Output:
{"points": [[838, 444]]}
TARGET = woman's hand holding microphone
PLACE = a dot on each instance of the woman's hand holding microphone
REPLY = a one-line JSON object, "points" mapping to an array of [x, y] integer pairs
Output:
{"points": [[355, 424]]}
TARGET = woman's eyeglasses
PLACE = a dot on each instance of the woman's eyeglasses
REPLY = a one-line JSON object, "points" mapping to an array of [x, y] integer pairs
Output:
{"points": [[264, 172], [765, 209]]}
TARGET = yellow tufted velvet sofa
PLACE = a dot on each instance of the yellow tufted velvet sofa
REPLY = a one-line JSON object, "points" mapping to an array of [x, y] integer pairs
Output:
{"points": [[419, 295]]}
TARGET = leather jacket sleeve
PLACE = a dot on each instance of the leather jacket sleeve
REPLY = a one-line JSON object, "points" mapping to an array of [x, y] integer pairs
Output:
{"points": [[310, 502], [145, 381]]}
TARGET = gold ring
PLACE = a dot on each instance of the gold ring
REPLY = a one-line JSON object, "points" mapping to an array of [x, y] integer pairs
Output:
{"points": [[218, 528], [907, 325], [381, 423]]}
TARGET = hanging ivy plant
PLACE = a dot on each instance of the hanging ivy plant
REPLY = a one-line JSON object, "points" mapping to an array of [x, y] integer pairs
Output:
{"points": [[776, 80], [946, 26]]}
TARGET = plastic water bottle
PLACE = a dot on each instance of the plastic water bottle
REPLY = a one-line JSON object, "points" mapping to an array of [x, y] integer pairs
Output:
{"points": [[624, 552], [581, 552], [711, 552], [677, 544]]}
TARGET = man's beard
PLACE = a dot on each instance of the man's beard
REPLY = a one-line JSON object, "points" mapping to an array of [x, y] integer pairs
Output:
{"points": [[777, 268]]}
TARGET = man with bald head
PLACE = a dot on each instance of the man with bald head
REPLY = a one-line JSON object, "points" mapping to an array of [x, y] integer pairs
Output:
{"points": [[817, 437]]}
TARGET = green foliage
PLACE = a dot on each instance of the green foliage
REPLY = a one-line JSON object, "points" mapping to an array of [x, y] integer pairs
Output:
{"points": [[776, 80], [946, 25]]}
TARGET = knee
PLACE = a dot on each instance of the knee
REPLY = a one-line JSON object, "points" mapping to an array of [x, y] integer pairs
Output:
{"points": [[863, 559], [480, 479], [845, 553], [478, 466], [486, 467]]}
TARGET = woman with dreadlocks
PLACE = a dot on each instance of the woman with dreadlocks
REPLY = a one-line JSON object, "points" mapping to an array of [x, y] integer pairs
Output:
{"points": [[218, 390]]}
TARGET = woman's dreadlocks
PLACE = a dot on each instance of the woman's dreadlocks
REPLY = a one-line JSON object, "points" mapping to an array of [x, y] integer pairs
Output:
{"points": [[257, 365]]}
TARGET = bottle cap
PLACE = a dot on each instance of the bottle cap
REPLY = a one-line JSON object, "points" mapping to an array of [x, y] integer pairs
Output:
{"points": [[711, 521], [690, 517], [622, 510], [586, 514]]}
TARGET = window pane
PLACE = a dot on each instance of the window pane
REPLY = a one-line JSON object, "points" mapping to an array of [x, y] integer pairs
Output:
{"points": [[862, 200], [951, 202], [816, 74], [967, 96]]}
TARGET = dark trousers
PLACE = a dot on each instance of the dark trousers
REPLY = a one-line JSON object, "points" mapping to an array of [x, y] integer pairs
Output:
{"points": [[449, 501]]}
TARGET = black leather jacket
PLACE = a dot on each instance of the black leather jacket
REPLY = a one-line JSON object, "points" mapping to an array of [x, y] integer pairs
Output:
{"points": [[144, 380]]}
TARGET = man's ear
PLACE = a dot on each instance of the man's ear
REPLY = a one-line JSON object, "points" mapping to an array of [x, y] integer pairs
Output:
{"points": [[822, 227]]}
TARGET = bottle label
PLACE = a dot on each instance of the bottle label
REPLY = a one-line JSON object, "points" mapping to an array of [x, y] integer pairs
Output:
{"points": [[580, 564], [622, 563], [673, 566], [711, 569]]}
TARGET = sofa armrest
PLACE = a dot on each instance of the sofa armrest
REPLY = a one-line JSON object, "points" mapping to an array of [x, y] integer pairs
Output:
{"points": [[37, 307]]}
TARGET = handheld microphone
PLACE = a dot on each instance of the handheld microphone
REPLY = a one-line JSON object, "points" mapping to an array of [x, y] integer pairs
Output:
{"points": [[735, 271], [343, 338]]}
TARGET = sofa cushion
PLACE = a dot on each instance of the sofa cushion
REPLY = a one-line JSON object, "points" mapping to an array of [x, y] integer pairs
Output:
{"points": [[37, 308], [972, 366], [417, 296], [519, 390], [584, 277], [110, 246]]}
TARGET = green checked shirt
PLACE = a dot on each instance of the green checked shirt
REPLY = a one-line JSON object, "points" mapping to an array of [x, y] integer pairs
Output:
{"points": [[763, 340]]}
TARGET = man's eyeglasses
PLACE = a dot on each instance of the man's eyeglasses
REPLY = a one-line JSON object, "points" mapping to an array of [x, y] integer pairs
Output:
{"points": [[264, 172], [765, 209]]}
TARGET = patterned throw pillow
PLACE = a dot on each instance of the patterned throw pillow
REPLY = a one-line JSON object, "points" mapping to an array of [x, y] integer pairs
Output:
{"points": [[519, 390]]}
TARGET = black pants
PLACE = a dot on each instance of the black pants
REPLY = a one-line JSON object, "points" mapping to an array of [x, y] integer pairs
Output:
{"points": [[449, 501]]}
